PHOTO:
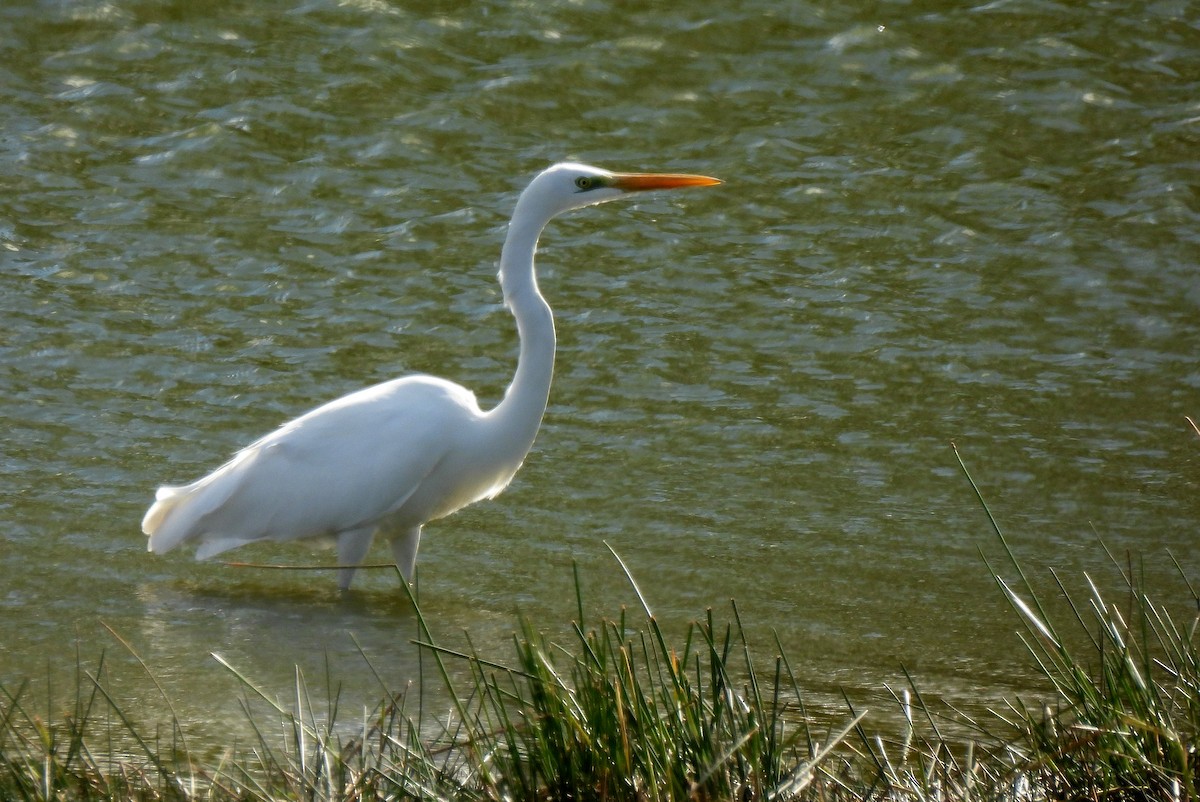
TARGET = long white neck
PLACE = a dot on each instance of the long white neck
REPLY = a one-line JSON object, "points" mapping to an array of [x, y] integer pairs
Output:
{"points": [[517, 417]]}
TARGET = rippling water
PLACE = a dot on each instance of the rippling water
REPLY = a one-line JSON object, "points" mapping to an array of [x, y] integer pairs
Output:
{"points": [[940, 223]]}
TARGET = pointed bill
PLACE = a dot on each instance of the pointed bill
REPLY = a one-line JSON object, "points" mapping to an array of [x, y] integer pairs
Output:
{"points": [[637, 182]]}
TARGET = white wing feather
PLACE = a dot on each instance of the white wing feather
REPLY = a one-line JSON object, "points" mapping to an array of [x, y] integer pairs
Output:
{"points": [[348, 464]]}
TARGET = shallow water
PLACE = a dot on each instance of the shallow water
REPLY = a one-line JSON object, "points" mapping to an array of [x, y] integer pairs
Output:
{"points": [[940, 224]]}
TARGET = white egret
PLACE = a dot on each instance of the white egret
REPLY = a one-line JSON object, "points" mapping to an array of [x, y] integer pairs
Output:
{"points": [[389, 458]]}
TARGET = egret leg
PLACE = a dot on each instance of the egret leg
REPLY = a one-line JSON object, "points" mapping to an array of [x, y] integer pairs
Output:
{"points": [[352, 546], [404, 550]]}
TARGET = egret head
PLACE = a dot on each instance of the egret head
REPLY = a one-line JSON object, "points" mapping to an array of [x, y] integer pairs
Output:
{"points": [[570, 185]]}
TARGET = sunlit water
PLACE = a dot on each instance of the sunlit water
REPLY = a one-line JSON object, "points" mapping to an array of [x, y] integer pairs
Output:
{"points": [[940, 224]]}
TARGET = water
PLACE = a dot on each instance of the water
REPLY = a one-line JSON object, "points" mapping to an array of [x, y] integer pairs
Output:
{"points": [[940, 224]]}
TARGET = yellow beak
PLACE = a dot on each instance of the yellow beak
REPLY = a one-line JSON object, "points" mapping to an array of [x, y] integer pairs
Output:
{"points": [[637, 182]]}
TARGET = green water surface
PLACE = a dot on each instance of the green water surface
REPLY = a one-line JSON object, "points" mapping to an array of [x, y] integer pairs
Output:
{"points": [[941, 223]]}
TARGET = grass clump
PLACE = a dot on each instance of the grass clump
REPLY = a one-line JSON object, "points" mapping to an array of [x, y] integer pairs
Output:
{"points": [[1125, 724], [84, 754], [621, 715], [1123, 720]]}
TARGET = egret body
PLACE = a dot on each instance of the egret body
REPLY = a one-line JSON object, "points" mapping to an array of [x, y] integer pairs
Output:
{"points": [[387, 459]]}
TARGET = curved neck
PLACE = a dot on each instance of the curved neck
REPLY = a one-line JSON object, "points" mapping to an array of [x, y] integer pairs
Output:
{"points": [[519, 414]]}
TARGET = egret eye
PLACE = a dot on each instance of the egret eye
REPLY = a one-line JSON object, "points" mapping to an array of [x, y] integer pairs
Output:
{"points": [[585, 183]]}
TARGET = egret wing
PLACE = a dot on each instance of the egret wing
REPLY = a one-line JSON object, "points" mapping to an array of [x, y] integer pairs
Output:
{"points": [[343, 466]]}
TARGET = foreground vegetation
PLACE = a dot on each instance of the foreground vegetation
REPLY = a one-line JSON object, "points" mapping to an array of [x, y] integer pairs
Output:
{"points": [[619, 713]]}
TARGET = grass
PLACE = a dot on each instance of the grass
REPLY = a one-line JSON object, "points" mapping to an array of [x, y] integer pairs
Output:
{"points": [[619, 712], [1124, 720], [622, 714]]}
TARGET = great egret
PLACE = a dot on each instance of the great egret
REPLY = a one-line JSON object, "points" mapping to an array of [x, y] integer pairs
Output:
{"points": [[392, 457]]}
